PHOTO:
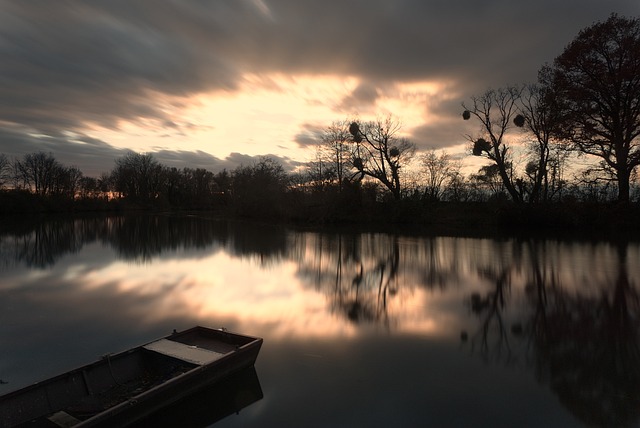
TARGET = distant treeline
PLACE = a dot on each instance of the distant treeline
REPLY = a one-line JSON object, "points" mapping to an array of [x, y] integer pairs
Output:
{"points": [[38, 183]]}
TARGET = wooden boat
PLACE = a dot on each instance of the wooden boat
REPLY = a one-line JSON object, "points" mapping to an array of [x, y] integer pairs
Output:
{"points": [[122, 388]]}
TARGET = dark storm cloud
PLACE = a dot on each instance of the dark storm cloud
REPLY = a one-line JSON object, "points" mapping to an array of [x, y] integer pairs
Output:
{"points": [[310, 135], [238, 159], [199, 159], [437, 136], [486, 42], [363, 96], [69, 63], [90, 155]]}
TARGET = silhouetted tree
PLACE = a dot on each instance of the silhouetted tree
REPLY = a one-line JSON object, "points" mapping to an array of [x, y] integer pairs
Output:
{"points": [[223, 181], [495, 110], [457, 189], [596, 81], [488, 178], [137, 176], [380, 153], [335, 152], [37, 172], [5, 170], [258, 189], [88, 187], [438, 172], [540, 118], [203, 186], [594, 185], [319, 173], [66, 181]]}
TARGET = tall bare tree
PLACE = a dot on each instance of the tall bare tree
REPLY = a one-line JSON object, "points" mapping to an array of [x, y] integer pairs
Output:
{"points": [[540, 118], [597, 83], [335, 151], [495, 110]]}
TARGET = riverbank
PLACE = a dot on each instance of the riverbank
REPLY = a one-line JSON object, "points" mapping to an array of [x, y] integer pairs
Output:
{"points": [[476, 219], [600, 221]]}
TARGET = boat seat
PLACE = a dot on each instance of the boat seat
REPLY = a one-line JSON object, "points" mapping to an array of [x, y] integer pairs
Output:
{"points": [[189, 353]]}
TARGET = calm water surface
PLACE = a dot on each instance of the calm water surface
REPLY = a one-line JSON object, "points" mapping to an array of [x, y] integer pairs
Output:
{"points": [[363, 329]]}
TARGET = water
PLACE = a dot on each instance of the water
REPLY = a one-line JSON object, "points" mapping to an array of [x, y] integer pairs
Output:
{"points": [[365, 329]]}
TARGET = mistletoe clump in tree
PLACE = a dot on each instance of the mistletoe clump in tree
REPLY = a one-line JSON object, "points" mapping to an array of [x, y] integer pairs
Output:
{"points": [[494, 110], [380, 153]]}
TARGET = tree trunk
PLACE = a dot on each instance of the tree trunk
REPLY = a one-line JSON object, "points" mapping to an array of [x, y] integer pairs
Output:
{"points": [[623, 185], [506, 180]]}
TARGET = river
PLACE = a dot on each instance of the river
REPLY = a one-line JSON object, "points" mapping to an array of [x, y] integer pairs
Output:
{"points": [[360, 329]]}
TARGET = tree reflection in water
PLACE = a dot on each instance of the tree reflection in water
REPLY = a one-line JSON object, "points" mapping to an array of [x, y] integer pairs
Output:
{"points": [[366, 298], [585, 347], [489, 309], [358, 274], [589, 352], [373, 279]]}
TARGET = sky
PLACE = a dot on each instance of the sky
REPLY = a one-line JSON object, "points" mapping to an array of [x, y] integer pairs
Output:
{"points": [[218, 83]]}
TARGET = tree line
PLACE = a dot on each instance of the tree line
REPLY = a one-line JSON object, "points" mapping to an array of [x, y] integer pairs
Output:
{"points": [[586, 102]]}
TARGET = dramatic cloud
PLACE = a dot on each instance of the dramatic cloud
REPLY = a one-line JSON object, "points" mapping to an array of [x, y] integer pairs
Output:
{"points": [[70, 67], [310, 135], [364, 96]]}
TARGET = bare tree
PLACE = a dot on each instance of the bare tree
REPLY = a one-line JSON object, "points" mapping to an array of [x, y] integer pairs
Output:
{"points": [[495, 110], [66, 181], [105, 183], [37, 171], [597, 83], [88, 187], [488, 181], [335, 152], [260, 188], [438, 171], [5, 170], [540, 118], [380, 153], [457, 188], [137, 176]]}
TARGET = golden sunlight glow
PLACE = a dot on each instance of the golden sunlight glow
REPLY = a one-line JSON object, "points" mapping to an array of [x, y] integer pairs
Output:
{"points": [[266, 113], [412, 102]]}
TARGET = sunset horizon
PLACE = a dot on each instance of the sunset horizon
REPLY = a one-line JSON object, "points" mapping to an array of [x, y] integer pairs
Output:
{"points": [[219, 85]]}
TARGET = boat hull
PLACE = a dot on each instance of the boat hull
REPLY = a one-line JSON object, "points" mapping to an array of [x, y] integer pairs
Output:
{"points": [[122, 388]]}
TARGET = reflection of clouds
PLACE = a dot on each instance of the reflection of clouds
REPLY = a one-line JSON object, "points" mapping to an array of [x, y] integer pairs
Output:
{"points": [[221, 286], [270, 299], [285, 284]]}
